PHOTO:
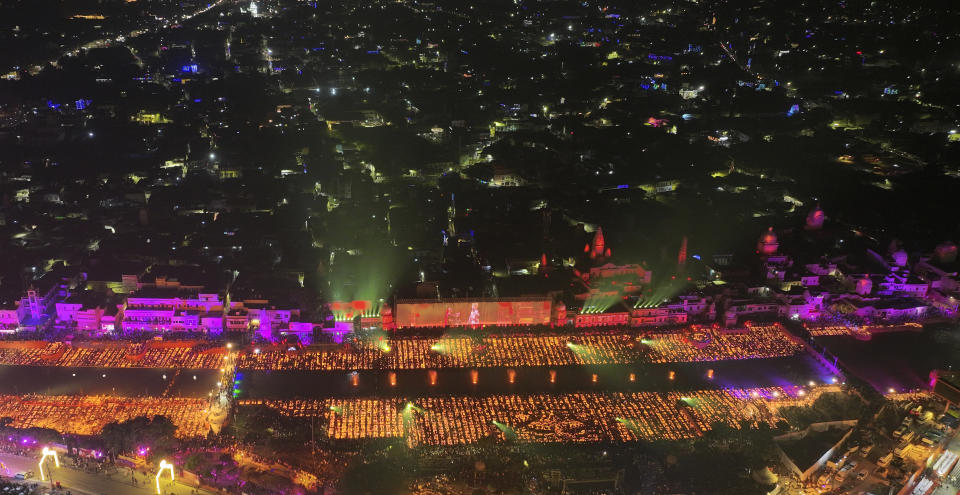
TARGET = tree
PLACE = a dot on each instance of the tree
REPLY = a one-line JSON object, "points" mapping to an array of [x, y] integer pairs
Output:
{"points": [[159, 434], [480, 171]]}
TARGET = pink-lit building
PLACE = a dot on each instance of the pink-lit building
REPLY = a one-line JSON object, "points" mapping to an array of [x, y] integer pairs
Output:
{"points": [[9, 320], [896, 283], [890, 309], [768, 244], [165, 310], [805, 306], [97, 319], [36, 308]]}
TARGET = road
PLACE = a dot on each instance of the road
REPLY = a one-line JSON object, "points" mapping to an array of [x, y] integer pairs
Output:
{"points": [[98, 43], [79, 481]]}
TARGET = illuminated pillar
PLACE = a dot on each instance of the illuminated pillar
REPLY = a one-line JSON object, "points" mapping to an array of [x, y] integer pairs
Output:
{"points": [[633, 377], [393, 379], [164, 466], [710, 374], [593, 378], [511, 375], [553, 376], [672, 375], [48, 453], [474, 376], [355, 379], [432, 374]]}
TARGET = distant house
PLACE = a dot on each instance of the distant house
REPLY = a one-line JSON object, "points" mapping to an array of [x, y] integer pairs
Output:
{"points": [[505, 177]]}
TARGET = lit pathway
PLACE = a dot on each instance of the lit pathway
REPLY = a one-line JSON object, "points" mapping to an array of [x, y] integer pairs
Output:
{"points": [[94, 484]]}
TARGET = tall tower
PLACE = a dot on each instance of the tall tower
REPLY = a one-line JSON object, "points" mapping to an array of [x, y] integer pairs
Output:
{"points": [[596, 247], [33, 302], [767, 245], [546, 219], [682, 255], [815, 219], [452, 215]]}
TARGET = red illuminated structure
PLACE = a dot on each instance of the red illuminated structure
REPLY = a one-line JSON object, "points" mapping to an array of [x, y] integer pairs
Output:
{"points": [[597, 248], [682, 256], [476, 313], [768, 245], [815, 219], [618, 316], [348, 310]]}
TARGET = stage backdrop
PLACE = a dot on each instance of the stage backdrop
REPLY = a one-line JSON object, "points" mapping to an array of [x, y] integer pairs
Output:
{"points": [[472, 312]]}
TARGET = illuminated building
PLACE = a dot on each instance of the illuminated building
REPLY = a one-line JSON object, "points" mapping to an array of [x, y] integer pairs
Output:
{"points": [[669, 312], [36, 307], [896, 309], [505, 177], [596, 248], [615, 315], [94, 316], [636, 272], [664, 315], [143, 117], [815, 219], [164, 310], [946, 252], [805, 306], [946, 384], [682, 254], [9, 320], [754, 308], [473, 312], [768, 245]]}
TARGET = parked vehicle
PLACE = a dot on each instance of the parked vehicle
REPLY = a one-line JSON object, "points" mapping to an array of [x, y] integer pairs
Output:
{"points": [[842, 474]]}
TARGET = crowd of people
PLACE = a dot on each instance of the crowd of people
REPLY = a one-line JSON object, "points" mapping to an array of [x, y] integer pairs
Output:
{"points": [[88, 414], [571, 417], [110, 355], [509, 350]]}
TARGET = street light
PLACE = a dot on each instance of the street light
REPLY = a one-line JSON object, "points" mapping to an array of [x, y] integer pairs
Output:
{"points": [[164, 466], [48, 453]]}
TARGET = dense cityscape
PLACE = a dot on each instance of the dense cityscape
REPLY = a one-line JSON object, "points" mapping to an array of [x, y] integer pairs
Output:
{"points": [[432, 247]]}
